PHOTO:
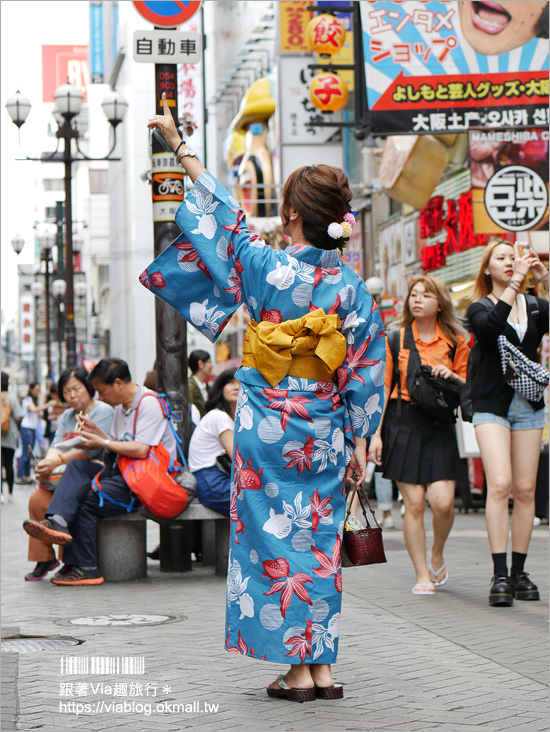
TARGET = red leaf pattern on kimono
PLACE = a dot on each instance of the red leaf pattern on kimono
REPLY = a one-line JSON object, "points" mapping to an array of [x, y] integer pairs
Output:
{"points": [[302, 643], [276, 568], [249, 479], [272, 316], [234, 517], [157, 280], [318, 508], [145, 279], [331, 566], [236, 228], [235, 288], [191, 255], [355, 360], [301, 459], [288, 405], [288, 586]]}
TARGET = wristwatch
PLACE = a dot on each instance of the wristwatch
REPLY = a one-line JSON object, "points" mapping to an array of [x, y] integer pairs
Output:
{"points": [[188, 153]]}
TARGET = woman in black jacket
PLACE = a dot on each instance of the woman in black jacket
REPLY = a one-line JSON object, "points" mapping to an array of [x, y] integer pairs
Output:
{"points": [[508, 427]]}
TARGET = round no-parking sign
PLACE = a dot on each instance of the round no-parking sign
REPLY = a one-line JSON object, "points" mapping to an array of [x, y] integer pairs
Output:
{"points": [[166, 14]]}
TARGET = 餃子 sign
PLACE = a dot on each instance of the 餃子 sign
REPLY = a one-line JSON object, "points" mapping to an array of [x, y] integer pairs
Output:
{"points": [[436, 67]]}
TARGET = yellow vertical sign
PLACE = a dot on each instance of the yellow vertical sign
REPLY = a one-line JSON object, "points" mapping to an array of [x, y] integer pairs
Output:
{"points": [[293, 22]]}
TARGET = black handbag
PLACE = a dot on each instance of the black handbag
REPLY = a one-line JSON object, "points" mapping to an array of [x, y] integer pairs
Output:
{"points": [[434, 395], [363, 546], [224, 463]]}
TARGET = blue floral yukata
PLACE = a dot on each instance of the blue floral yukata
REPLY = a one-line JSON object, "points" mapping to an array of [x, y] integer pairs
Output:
{"points": [[292, 440]]}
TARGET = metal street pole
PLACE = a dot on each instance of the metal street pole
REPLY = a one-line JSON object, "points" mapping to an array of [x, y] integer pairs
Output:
{"points": [[171, 329], [48, 330], [67, 133]]}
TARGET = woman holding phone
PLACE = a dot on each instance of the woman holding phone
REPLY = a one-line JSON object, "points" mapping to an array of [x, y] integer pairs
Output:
{"points": [[508, 427]]}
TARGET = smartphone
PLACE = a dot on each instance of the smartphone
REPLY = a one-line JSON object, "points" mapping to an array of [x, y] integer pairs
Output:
{"points": [[523, 248]]}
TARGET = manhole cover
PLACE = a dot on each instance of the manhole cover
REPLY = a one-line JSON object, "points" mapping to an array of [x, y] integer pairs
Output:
{"points": [[123, 619], [30, 645]]}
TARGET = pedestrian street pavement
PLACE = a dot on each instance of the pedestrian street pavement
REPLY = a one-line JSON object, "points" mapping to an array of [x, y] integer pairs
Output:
{"points": [[449, 662]]}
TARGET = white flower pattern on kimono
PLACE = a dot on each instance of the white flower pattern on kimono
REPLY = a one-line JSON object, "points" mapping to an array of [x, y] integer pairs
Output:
{"points": [[203, 207], [280, 524], [360, 418], [282, 277], [305, 272], [325, 636], [326, 451], [206, 318], [350, 324], [236, 591]]}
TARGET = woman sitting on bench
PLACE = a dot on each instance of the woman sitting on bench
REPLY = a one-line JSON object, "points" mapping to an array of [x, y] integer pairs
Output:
{"points": [[212, 438]]}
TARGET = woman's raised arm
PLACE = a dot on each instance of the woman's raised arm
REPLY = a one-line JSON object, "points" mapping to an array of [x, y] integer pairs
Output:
{"points": [[167, 127]]}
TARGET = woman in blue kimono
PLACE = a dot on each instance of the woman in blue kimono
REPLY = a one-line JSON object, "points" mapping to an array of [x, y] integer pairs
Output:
{"points": [[312, 379]]}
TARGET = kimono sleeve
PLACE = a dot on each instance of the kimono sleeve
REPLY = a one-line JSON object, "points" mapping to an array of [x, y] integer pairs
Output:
{"points": [[361, 376], [201, 273]]}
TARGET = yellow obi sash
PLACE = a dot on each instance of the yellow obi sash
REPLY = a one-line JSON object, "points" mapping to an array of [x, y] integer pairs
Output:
{"points": [[311, 347]]}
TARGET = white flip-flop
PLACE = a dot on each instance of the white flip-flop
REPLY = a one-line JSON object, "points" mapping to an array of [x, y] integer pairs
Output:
{"points": [[427, 591], [444, 580]]}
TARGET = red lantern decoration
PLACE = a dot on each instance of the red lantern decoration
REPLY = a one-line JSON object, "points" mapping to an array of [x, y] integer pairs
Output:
{"points": [[325, 34], [328, 92]]}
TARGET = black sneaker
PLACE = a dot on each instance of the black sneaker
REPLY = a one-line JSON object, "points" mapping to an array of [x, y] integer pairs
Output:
{"points": [[79, 576], [524, 588], [48, 531], [501, 592], [62, 572], [42, 569]]}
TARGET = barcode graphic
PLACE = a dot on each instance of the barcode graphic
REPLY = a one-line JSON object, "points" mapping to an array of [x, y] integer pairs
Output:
{"points": [[102, 665]]}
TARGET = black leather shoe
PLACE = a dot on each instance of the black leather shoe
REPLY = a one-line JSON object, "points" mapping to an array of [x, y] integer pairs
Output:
{"points": [[524, 588], [501, 592]]}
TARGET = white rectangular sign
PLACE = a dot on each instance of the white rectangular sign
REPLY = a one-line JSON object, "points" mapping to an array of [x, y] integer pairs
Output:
{"points": [[167, 47]]}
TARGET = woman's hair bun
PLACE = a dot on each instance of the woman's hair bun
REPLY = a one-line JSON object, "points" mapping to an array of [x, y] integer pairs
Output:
{"points": [[321, 195]]}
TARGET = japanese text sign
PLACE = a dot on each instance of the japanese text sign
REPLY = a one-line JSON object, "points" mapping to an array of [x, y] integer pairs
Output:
{"points": [[451, 66], [166, 47], [509, 180], [294, 18]]}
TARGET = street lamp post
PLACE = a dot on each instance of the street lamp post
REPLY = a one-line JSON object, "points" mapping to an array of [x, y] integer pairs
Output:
{"points": [[37, 289], [59, 289], [68, 100], [46, 240]]}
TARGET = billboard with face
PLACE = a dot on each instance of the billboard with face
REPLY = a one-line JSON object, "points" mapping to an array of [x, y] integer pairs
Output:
{"points": [[436, 67]]}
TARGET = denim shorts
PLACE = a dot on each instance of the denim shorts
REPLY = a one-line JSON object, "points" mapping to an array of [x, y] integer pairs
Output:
{"points": [[521, 416]]}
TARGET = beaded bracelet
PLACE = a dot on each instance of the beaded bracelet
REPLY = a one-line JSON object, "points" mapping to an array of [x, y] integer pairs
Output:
{"points": [[540, 279], [178, 147], [513, 285]]}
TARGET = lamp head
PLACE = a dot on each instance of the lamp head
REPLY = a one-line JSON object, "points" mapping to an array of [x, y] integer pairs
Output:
{"points": [[59, 287], [80, 289], [114, 105], [17, 244], [68, 100], [18, 107], [37, 288]]}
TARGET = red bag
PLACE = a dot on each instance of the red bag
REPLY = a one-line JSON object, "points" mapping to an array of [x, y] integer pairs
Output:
{"points": [[149, 478]]}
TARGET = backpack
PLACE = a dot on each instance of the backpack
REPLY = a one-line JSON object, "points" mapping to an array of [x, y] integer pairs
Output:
{"points": [[434, 395], [474, 357], [150, 479], [5, 414]]}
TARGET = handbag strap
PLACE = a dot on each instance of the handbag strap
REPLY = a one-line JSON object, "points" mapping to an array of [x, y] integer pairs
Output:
{"points": [[394, 341], [351, 496], [167, 413]]}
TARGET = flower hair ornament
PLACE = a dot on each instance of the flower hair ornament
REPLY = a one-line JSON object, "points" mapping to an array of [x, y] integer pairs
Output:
{"points": [[342, 231]]}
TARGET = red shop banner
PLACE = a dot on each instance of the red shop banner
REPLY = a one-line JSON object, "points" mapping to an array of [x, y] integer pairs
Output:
{"points": [[457, 220]]}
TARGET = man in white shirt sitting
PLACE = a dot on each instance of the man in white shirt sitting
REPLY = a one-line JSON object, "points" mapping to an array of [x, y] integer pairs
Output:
{"points": [[73, 512]]}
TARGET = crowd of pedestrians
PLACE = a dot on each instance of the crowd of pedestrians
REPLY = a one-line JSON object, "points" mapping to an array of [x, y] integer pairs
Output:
{"points": [[320, 391]]}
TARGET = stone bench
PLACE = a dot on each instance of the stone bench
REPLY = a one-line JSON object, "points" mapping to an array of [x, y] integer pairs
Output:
{"points": [[122, 542]]}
